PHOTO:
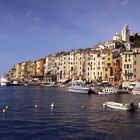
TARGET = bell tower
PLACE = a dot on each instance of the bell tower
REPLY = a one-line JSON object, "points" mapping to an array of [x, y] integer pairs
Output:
{"points": [[125, 33]]}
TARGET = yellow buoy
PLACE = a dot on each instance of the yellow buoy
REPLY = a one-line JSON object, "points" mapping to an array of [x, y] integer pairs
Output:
{"points": [[4, 110]]}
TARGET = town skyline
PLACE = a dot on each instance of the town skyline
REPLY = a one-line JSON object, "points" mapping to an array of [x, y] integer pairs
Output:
{"points": [[33, 29]]}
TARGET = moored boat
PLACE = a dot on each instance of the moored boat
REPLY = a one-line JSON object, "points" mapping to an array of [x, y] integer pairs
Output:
{"points": [[120, 106], [79, 87], [3, 81], [107, 90], [136, 91]]}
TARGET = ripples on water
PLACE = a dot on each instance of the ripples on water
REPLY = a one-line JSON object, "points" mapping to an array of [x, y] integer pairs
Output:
{"points": [[68, 120]]}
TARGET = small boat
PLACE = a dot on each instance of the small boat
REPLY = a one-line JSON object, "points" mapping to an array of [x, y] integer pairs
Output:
{"points": [[107, 90], [120, 106], [3, 81], [136, 91], [79, 87], [15, 83]]}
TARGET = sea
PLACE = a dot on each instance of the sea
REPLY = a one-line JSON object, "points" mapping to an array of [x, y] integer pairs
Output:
{"points": [[73, 117]]}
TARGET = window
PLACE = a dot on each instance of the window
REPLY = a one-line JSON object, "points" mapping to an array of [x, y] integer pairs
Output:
{"points": [[135, 62], [125, 72], [124, 66], [98, 68]]}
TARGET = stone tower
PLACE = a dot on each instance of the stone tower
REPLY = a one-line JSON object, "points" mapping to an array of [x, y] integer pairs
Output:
{"points": [[125, 33]]}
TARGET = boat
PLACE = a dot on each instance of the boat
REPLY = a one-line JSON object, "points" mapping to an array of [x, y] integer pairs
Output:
{"points": [[3, 81], [120, 106], [15, 83], [107, 90], [136, 91], [79, 87]]}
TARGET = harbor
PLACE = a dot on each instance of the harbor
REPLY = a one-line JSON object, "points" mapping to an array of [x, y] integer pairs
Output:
{"points": [[72, 115]]}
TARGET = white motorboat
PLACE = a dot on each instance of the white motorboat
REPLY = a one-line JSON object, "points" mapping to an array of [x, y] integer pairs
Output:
{"points": [[79, 87], [120, 106], [3, 81], [136, 91], [15, 83], [107, 90]]}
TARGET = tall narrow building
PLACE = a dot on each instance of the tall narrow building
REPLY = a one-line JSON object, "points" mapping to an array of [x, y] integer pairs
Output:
{"points": [[125, 33]]}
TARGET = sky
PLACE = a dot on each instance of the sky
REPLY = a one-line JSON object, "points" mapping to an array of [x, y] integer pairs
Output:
{"points": [[32, 29]]}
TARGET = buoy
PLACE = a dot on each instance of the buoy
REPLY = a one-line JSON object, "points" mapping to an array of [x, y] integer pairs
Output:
{"points": [[7, 107], [104, 104], [52, 105], [83, 106], [36, 106], [4, 110]]}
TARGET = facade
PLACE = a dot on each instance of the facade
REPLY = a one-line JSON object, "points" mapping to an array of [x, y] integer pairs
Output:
{"points": [[136, 64], [50, 69], [65, 66], [127, 65], [79, 65], [116, 68], [18, 71], [11, 75], [72, 63], [107, 70], [40, 68]]}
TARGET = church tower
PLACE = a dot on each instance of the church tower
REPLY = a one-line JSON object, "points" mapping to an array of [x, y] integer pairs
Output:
{"points": [[125, 33]]}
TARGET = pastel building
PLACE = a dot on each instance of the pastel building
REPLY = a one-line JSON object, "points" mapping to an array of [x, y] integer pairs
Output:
{"points": [[72, 64], [136, 72], [107, 70], [116, 68], [38, 69], [79, 65], [127, 65], [65, 66], [50, 69], [18, 71]]}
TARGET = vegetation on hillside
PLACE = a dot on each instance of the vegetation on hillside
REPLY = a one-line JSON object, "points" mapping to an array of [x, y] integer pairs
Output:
{"points": [[135, 40]]}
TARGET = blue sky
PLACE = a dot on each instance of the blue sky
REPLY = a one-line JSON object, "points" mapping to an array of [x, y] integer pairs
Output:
{"points": [[32, 29]]}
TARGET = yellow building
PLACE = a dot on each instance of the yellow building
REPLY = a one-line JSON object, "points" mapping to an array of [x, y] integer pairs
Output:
{"points": [[94, 65], [18, 70], [107, 70], [127, 65], [79, 64], [65, 66]]}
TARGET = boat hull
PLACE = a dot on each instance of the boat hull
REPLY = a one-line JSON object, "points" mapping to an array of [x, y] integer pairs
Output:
{"points": [[3, 84], [79, 90], [119, 106]]}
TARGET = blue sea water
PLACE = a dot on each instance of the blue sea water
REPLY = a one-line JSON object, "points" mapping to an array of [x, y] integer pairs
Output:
{"points": [[68, 120]]}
